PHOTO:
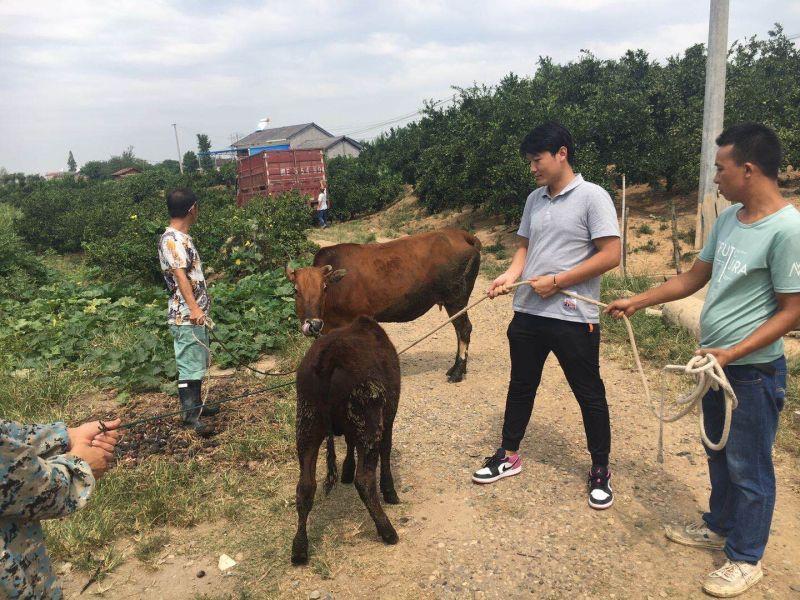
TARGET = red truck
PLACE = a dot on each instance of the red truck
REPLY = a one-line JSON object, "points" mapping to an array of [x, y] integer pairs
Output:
{"points": [[277, 171]]}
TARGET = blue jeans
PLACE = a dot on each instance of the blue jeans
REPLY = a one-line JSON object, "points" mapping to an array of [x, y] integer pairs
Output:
{"points": [[322, 217], [742, 476]]}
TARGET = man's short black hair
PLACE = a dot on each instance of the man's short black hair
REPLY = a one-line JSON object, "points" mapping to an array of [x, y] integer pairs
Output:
{"points": [[549, 137], [180, 201], [754, 143]]}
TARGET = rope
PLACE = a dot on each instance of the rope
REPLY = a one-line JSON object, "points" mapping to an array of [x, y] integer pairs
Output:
{"points": [[706, 369], [209, 324], [708, 375], [243, 364], [707, 372], [217, 403]]}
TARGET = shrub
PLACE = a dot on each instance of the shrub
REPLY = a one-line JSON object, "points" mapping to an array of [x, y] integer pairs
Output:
{"points": [[19, 267], [358, 186], [644, 229], [265, 234]]}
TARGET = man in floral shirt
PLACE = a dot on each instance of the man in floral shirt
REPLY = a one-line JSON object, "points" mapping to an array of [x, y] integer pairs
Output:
{"points": [[188, 305]]}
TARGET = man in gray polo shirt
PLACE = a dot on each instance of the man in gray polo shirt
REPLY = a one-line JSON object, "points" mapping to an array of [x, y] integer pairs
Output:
{"points": [[568, 238]]}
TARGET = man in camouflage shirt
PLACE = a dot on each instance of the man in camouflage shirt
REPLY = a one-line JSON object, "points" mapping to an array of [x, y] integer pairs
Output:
{"points": [[47, 471], [188, 305]]}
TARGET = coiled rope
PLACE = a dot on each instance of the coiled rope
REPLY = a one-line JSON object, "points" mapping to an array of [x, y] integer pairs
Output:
{"points": [[707, 372]]}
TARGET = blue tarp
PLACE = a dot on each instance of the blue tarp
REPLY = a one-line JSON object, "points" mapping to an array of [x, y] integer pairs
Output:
{"points": [[258, 149]]}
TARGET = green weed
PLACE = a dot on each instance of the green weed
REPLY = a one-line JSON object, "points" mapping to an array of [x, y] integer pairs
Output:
{"points": [[498, 250], [659, 342], [650, 247], [129, 501]]}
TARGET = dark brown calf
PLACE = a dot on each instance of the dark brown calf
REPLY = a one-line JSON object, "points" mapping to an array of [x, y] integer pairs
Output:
{"points": [[393, 282], [348, 384]]}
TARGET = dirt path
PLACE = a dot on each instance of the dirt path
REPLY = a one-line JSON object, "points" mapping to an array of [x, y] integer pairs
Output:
{"points": [[528, 536], [532, 535]]}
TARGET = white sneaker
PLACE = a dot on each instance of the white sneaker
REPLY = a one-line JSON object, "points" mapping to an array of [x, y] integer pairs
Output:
{"points": [[695, 534], [734, 578], [497, 467]]}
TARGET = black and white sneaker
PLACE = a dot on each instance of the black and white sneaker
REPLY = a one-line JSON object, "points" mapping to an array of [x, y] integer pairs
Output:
{"points": [[498, 466], [600, 494]]}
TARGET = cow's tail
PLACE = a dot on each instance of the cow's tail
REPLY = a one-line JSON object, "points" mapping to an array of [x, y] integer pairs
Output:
{"points": [[333, 475], [472, 241]]}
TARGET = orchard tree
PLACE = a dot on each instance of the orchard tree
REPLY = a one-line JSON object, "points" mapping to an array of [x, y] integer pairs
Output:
{"points": [[204, 146], [190, 163]]}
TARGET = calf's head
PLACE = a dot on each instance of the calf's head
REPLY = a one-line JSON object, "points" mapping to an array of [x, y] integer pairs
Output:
{"points": [[310, 284]]}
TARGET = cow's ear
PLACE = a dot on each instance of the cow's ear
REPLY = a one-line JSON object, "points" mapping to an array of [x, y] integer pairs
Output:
{"points": [[326, 270], [337, 275], [290, 273]]}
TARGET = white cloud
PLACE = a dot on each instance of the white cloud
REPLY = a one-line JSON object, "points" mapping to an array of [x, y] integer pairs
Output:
{"points": [[96, 76]]}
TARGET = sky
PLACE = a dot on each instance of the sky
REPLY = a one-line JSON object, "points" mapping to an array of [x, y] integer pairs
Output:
{"points": [[97, 77]]}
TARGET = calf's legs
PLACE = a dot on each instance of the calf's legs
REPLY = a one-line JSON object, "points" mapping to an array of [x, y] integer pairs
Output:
{"points": [[349, 464], [368, 490], [387, 481], [307, 452]]}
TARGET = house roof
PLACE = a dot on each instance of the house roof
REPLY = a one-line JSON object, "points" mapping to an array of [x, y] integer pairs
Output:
{"points": [[126, 170], [324, 144], [275, 134]]}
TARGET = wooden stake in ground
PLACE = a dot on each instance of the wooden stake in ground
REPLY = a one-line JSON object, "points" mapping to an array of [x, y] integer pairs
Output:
{"points": [[624, 260], [676, 244], [625, 242]]}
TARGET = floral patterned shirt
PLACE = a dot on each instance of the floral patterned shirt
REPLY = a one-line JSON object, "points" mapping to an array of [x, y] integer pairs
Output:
{"points": [[176, 251]]}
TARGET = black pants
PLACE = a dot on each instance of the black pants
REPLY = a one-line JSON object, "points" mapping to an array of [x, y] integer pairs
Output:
{"points": [[577, 347]]}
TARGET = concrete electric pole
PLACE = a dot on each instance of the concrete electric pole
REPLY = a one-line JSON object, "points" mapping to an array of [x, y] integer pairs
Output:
{"points": [[710, 204], [180, 159]]}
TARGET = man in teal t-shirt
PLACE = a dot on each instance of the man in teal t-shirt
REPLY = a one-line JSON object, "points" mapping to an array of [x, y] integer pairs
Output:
{"points": [[752, 265]]}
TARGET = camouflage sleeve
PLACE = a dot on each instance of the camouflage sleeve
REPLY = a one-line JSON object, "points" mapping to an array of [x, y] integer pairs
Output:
{"points": [[33, 487], [45, 439]]}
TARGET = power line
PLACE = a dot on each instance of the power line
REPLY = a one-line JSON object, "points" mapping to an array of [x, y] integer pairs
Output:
{"points": [[367, 127], [357, 131]]}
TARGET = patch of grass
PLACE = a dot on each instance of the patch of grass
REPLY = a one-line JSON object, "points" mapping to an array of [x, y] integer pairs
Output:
{"points": [[650, 247], [128, 501], [397, 217], [41, 394], [659, 342], [240, 595], [498, 250], [147, 549], [340, 233], [687, 236], [492, 269], [644, 229], [663, 227], [271, 438], [789, 430]]}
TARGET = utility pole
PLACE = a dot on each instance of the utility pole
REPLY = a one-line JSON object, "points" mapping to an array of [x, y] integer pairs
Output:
{"points": [[180, 159], [709, 202]]}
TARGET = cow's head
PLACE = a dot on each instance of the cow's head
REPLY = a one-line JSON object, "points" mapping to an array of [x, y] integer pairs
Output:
{"points": [[310, 284]]}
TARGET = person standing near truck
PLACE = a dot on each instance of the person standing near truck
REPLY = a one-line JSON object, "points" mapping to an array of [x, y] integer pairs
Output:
{"points": [[322, 205]]}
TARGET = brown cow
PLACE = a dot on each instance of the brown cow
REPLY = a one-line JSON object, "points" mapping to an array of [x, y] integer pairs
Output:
{"points": [[397, 281], [348, 384]]}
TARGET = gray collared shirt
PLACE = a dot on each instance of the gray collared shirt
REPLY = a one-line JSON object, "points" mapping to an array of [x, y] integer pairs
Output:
{"points": [[560, 232]]}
